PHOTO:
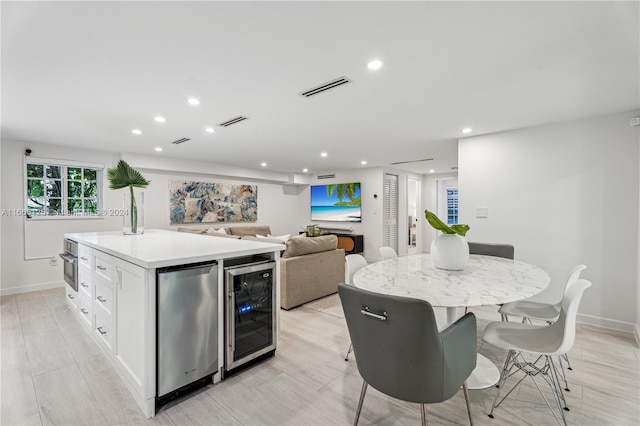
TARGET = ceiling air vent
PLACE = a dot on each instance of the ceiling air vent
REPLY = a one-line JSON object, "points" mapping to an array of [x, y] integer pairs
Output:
{"points": [[179, 141], [411, 161], [233, 121], [326, 176], [326, 86]]}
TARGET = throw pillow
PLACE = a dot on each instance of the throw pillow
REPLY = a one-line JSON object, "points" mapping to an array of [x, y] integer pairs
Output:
{"points": [[284, 238], [216, 231]]}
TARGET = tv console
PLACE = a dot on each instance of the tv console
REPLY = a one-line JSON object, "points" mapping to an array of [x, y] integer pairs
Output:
{"points": [[351, 243]]}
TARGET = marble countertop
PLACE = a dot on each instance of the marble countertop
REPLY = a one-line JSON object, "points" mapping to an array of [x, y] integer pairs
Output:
{"points": [[159, 248], [487, 280]]}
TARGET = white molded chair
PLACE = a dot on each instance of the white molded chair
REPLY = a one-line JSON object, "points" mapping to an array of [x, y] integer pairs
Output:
{"points": [[354, 263], [532, 309], [388, 253], [543, 341]]}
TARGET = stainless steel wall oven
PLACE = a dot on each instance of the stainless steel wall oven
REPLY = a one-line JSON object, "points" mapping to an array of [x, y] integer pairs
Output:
{"points": [[70, 258], [250, 310]]}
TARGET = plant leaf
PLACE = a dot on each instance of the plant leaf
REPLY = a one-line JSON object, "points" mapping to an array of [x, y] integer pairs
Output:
{"points": [[122, 175], [437, 223], [460, 229]]}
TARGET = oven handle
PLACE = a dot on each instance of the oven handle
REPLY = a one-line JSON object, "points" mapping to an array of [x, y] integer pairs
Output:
{"points": [[68, 257]]}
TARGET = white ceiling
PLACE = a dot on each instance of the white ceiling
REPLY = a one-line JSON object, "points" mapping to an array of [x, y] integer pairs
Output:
{"points": [[86, 73]]}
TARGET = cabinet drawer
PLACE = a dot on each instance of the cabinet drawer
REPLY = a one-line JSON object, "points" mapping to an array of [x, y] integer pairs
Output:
{"points": [[104, 298], [86, 310], [103, 265], [72, 297], [85, 284], [85, 255], [103, 330]]}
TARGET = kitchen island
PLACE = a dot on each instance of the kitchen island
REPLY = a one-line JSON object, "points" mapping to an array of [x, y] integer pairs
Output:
{"points": [[117, 297]]}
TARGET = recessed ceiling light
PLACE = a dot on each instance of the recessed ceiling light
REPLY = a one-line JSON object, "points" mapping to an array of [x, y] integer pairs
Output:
{"points": [[431, 171], [209, 130], [363, 162], [193, 101], [263, 164], [159, 149], [467, 130], [305, 170], [160, 119], [323, 154], [136, 131], [374, 65]]}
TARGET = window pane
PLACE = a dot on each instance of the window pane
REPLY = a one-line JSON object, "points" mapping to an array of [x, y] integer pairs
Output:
{"points": [[89, 174], [35, 170], [54, 188], [74, 173], [55, 206], [90, 189], [54, 172], [90, 206], [74, 189], [35, 205], [74, 206], [35, 188]]}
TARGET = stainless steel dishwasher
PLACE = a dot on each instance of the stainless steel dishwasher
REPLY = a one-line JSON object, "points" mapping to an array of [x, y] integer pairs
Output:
{"points": [[187, 331]]}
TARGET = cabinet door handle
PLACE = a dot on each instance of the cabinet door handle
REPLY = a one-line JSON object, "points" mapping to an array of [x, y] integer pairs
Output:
{"points": [[84, 285], [101, 299], [70, 296], [100, 330], [102, 268], [84, 311], [83, 258]]}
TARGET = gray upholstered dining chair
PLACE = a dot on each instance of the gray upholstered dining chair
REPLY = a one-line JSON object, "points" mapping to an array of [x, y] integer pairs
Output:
{"points": [[400, 352], [506, 251], [355, 262], [490, 249]]}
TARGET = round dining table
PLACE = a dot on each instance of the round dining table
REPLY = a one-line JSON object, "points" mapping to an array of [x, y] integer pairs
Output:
{"points": [[486, 280]]}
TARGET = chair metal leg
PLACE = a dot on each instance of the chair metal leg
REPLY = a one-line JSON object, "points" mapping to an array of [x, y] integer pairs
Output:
{"points": [[566, 358], [346, 357], [466, 398], [362, 393], [423, 414], [562, 374]]}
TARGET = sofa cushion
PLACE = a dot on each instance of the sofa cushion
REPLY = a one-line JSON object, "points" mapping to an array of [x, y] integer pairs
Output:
{"points": [[263, 239], [192, 230], [302, 246], [220, 230], [248, 230]]}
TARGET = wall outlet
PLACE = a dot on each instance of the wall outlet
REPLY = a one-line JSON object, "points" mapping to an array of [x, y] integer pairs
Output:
{"points": [[482, 212], [53, 261]]}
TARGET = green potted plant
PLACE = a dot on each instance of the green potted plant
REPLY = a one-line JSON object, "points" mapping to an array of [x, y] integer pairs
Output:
{"points": [[449, 250], [122, 175]]}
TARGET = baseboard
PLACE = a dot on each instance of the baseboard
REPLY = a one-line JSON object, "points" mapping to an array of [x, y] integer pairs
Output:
{"points": [[31, 287], [607, 323]]}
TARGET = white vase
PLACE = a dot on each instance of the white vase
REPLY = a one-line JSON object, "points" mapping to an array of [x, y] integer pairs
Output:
{"points": [[450, 252], [133, 217]]}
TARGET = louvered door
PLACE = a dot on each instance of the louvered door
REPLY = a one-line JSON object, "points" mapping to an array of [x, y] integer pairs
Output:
{"points": [[390, 234]]}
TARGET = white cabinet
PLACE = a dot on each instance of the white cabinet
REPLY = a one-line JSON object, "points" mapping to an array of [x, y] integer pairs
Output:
{"points": [[72, 297], [131, 349]]}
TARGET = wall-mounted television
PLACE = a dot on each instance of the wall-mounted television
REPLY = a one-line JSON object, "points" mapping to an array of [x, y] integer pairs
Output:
{"points": [[336, 202]]}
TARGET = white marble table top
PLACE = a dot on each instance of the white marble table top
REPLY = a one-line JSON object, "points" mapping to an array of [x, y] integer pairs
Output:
{"points": [[487, 280]]}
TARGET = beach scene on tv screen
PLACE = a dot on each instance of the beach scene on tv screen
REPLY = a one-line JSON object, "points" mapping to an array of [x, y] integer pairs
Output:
{"points": [[336, 202]]}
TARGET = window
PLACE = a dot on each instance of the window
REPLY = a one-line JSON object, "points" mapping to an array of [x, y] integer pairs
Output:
{"points": [[452, 206], [54, 189]]}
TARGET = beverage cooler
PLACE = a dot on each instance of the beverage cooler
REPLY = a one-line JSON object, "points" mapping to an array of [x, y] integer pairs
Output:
{"points": [[250, 310]]}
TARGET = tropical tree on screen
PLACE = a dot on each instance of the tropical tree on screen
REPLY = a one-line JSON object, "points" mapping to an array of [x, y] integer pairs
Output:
{"points": [[343, 190]]}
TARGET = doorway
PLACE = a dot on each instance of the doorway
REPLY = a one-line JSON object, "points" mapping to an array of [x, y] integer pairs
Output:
{"points": [[413, 204]]}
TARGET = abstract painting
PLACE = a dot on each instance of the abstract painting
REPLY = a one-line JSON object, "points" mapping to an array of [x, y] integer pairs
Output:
{"points": [[193, 202]]}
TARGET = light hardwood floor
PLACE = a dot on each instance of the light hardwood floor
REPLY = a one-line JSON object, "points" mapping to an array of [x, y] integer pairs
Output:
{"points": [[53, 373]]}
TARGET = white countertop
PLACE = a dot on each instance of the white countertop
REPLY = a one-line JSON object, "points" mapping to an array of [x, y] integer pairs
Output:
{"points": [[159, 248]]}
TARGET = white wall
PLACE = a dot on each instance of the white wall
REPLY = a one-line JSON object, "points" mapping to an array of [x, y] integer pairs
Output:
{"points": [[279, 207], [43, 237], [563, 194]]}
